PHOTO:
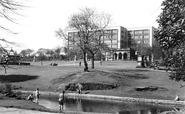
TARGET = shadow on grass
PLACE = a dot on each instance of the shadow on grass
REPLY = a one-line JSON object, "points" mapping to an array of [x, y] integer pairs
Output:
{"points": [[16, 78]]}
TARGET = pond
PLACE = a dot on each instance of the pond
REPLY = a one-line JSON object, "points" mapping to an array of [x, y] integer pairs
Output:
{"points": [[102, 106]]}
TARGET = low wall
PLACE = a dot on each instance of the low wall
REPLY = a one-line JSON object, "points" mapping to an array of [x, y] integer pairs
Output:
{"points": [[111, 98]]}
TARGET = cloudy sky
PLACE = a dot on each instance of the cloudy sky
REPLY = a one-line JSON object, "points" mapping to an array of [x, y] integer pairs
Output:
{"points": [[38, 23]]}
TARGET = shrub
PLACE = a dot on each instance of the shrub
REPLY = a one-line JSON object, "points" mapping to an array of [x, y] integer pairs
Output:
{"points": [[6, 88]]}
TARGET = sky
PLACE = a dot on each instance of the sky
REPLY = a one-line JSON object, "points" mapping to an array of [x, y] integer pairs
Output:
{"points": [[36, 25]]}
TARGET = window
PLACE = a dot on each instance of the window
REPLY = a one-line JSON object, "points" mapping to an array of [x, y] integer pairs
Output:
{"points": [[146, 31], [131, 32], [114, 36], [138, 32], [138, 37], [114, 46], [146, 36], [115, 32], [146, 42], [138, 42], [107, 42], [114, 41], [107, 34]]}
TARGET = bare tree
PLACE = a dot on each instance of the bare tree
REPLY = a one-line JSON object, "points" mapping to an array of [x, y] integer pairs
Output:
{"points": [[8, 8], [88, 29]]}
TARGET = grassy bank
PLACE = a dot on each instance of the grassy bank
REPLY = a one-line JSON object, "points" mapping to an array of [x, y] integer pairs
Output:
{"points": [[122, 75]]}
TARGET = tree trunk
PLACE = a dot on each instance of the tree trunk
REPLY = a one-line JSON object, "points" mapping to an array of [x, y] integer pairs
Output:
{"points": [[92, 60], [85, 63]]}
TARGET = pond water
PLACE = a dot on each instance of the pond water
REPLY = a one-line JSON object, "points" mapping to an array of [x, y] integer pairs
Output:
{"points": [[101, 106]]}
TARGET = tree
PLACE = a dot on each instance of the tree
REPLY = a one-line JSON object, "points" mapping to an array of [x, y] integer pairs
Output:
{"points": [[26, 52], [157, 51], [89, 26], [171, 36], [50, 53], [8, 9], [42, 52], [57, 53]]}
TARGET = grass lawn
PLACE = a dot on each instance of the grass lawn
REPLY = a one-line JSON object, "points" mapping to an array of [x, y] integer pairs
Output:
{"points": [[122, 74]]}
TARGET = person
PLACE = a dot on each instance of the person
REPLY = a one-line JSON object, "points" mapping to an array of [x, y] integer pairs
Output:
{"points": [[61, 100], [80, 63], [37, 94], [30, 97], [79, 88], [177, 98]]}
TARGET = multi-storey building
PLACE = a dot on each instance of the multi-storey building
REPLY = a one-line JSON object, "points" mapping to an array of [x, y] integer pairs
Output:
{"points": [[143, 36], [118, 41]]}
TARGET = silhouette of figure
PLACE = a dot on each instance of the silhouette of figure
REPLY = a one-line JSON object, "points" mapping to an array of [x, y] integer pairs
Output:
{"points": [[61, 100], [37, 95]]}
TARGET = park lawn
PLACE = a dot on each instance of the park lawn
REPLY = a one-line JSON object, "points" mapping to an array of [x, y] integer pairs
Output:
{"points": [[123, 74]]}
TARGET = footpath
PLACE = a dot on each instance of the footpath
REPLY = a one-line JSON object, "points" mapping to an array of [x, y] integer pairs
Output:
{"points": [[4, 110]]}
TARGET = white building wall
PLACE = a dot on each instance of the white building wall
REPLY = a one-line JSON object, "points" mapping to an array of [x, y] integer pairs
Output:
{"points": [[151, 29]]}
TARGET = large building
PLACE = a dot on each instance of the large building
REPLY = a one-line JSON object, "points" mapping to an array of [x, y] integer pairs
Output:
{"points": [[118, 40]]}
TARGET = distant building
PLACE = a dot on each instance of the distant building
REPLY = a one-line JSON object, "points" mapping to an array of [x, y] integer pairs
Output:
{"points": [[143, 36], [118, 41]]}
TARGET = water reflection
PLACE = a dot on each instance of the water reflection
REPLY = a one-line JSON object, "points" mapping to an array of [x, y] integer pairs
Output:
{"points": [[85, 105]]}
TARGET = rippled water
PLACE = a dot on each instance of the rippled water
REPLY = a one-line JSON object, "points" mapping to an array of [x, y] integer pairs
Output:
{"points": [[100, 106]]}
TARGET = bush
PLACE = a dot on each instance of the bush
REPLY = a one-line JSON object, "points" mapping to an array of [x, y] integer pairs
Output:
{"points": [[6, 88]]}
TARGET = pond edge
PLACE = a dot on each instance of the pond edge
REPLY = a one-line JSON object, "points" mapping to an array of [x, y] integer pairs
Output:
{"points": [[109, 98]]}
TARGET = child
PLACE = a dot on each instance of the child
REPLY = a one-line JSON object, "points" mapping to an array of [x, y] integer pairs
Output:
{"points": [[30, 97], [37, 94], [177, 98], [79, 88], [61, 100]]}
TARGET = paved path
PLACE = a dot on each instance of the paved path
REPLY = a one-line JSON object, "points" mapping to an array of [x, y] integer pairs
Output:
{"points": [[4, 110]]}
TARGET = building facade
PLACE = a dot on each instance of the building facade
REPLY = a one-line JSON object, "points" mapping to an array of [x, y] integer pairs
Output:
{"points": [[143, 36], [118, 40]]}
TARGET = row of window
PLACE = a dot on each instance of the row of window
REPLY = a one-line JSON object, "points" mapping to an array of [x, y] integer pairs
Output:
{"points": [[113, 34], [108, 42], [145, 42], [140, 37], [139, 32], [113, 46]]}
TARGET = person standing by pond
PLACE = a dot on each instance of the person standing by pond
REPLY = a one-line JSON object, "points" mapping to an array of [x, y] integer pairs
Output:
{"points": [[61, 100], [79, 88], [37, 95]]}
